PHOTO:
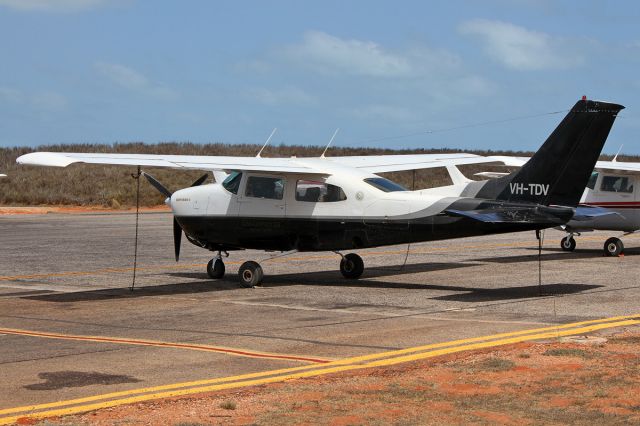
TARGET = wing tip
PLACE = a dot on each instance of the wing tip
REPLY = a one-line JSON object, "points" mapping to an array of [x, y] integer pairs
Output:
{"points": [[45, 159]]}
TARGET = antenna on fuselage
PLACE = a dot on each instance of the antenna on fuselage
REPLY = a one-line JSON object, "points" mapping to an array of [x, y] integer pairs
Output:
{"points": [[267, 142], [615, 157], [329, 144]]}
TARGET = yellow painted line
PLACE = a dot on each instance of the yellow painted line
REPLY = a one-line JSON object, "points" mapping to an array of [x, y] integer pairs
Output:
{"points": [[156, 343], [341, 361], [354, 363]]}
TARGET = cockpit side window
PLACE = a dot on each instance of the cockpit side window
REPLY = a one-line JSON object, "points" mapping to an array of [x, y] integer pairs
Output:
{"points": [[616, 184], [318, 192], [265, 187], [592, 180], [385, 184], [232, 182]]}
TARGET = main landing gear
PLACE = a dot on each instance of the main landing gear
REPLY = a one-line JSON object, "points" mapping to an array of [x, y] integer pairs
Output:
{"points": [[612, 247], [251, 273], [568, 243]]}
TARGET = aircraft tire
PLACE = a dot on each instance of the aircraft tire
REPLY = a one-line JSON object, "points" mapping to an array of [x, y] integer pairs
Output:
{"points": [[351, 266], [215, 268], [250, 274], [613, 247], [568, 244]]}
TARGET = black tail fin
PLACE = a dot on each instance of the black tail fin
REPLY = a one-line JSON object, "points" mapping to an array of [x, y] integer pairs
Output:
{"points": [[558, 173]]}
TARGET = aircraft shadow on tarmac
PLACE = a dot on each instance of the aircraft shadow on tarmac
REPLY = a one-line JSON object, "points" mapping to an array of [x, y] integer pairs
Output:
{"points": [[585, 252], [230, 282], [560, 255], [510, 293], [331, 279]]}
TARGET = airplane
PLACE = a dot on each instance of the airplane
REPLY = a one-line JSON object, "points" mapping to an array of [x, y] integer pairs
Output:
{"points": [[340, 204], [2, 175], [613, 185]]}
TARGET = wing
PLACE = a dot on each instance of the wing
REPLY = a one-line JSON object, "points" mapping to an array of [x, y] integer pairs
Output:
{"points": [[397, 163], [601, 166], [618, 166], [365, 164], [198, 162]]}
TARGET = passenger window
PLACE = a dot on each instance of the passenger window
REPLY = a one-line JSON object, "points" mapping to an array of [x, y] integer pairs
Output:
{"points": [[265, 187], [232, 182], [616, 184], [592, 180], [385, 184], [318, 192]]}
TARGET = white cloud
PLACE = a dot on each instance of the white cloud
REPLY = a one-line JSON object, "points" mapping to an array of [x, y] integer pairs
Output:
{"points": [[48, 100], [367, 81], [11, 95], [133, 80], [522, 49], [51, 5], [285, 96], [326, 53], [45, 100]]}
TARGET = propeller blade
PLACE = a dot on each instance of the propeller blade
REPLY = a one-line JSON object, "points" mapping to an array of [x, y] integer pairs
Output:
{"points": [[177, 237], [157, 185], [200, 180]]}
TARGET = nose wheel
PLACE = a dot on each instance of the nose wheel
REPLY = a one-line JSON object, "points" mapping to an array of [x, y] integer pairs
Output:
{"points": [[215, 267], [351, 266]]}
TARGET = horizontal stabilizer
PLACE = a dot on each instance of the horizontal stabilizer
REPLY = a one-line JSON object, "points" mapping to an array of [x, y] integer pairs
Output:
{"points": [[543, 215], [588, 213]]}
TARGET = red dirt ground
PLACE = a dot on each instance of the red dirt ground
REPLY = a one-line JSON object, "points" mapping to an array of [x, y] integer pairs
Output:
{"points": [[7, 210], [522, 384]]}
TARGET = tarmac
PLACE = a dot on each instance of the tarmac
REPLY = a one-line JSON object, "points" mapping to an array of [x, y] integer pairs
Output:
{"points": [[70, 327]]}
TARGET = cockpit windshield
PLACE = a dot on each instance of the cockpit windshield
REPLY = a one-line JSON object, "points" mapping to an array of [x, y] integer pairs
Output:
{"points": [[232, 182]]}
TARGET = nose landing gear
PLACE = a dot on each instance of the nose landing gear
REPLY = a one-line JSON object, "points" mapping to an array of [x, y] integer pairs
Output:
{"points": [[351, 266], [215, 267]]}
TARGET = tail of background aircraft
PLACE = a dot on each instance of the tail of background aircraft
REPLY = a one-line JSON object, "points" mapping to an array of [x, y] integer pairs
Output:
{"points": [[558, 172]]}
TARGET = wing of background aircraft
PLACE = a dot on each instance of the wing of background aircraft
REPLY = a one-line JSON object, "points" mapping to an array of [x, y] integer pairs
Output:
{"points": [[605, 166], [370, 164]]}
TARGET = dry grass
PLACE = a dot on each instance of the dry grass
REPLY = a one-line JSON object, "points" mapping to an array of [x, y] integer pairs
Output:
{"points": [[113, 186]]}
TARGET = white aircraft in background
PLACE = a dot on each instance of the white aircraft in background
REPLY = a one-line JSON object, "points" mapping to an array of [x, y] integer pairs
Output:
{"points": [[339, 203], [2, 175], [613, 185]]}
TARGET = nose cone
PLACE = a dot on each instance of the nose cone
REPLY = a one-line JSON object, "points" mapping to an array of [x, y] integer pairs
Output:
{"points": [[190, 201]]}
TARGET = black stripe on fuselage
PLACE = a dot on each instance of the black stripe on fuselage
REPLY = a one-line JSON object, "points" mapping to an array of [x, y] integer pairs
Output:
{"points": [[313, 234]]}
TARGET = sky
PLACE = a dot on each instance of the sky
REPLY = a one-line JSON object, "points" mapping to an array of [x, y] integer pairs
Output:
{"points": [[495, 74]]}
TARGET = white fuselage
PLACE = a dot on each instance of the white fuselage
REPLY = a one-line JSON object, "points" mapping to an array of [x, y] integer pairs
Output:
{"points": [[362, 200]]}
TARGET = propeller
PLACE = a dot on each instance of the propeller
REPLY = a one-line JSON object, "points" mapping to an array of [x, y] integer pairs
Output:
{"points": [[177, 229], [177, 237], [201, 179], [157, 185]]}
